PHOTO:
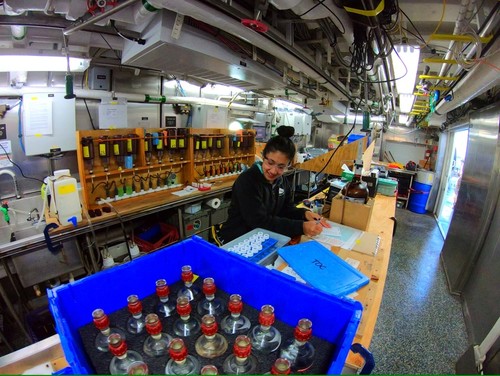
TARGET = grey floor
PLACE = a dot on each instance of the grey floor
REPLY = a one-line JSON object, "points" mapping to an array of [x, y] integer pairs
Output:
{"points": [[420, 328]]}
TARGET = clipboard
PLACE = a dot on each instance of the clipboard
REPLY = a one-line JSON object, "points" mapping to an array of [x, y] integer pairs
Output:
{"points": [[367, 243]]}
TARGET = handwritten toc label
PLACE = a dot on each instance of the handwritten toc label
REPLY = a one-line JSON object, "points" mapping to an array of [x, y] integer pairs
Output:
{"points": [[319, 264]]}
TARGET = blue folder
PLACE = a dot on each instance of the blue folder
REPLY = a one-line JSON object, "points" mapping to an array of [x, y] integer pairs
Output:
{"points": [[322, 269]]}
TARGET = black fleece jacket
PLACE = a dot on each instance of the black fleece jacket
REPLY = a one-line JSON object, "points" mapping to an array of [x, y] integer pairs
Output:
{"points": [[257, 203]]}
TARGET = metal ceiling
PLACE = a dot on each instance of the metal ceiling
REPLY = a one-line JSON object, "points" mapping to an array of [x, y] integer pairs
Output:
{"points": [[307, 49]]}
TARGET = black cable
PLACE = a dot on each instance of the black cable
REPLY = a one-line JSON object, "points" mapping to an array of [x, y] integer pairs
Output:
{"points": [[341, 143], [111, 48], [123, 229], [20, 169], [90, 116], [312, 8], [132, 39], [334, 15]]}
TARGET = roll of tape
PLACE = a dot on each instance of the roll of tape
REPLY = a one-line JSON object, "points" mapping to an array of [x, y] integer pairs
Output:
{"points": [[214, 203]]}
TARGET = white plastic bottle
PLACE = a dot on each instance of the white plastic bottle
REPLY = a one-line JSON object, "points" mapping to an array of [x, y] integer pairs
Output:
{"points": [[66, 198]]}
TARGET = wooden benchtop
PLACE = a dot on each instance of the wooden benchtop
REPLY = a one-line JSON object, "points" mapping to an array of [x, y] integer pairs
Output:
{"points": [[374, 267]]}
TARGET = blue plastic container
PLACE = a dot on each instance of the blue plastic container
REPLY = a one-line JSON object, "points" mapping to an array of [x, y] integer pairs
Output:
{"points": [[335, 320], [354, 137], [419, 196]]}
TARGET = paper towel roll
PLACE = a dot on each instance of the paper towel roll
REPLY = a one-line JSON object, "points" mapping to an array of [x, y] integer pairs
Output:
{"points": [[214, 203]]}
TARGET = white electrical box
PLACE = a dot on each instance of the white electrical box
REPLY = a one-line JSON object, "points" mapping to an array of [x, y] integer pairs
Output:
{"points": [[49, 123]]}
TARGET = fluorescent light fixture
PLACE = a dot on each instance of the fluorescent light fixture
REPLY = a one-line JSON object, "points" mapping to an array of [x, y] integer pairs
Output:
{"points": [[41, 63], [406, 102], [235, 126], [286, 105], [405, 61], [221, 90]]}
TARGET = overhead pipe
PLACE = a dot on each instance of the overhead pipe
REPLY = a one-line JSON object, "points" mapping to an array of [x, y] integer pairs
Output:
{"points": [[202, 12], [464, 9], [138, 98], [477, 81], [80, 25]]}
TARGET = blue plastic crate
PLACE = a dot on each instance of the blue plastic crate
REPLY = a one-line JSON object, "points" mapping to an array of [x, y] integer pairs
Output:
{"points": [[335, 320]]}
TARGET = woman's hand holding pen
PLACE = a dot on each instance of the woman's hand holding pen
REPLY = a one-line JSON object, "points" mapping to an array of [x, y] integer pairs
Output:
{"points": [[311, 216], [312, 228]]}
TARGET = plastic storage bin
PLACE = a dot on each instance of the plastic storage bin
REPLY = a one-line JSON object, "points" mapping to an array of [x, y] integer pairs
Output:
{"points": [[335, 320], [156, 237], [387, 187]]}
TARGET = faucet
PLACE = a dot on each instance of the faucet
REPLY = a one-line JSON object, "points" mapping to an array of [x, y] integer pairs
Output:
{"points": [[13, 175], [35, 218]]}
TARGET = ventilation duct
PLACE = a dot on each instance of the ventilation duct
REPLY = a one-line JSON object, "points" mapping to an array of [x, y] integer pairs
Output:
{"points": [[196, 55]]}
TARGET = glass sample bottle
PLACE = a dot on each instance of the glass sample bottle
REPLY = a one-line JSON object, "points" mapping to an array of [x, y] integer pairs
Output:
{"points": [[281, 366], [235, 323], [101, 322], [157, 343], [180, 363], [210, 305], [356, 190], [241, 361], [209, 369], [265, 337], [123, 357], [210, 344], [138, 368], [165, 307], [135, 323], [298, 350], [186, 325], [189, 290]]}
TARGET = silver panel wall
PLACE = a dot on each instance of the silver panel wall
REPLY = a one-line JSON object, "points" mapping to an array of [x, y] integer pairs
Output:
{"points": [[476, 199]]}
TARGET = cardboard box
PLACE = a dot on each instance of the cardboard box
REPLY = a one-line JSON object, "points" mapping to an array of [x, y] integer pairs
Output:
{"points": [[351, 214]]}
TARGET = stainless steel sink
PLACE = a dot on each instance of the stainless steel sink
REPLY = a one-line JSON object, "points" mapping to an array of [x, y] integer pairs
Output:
{"points": [[23, 219]]}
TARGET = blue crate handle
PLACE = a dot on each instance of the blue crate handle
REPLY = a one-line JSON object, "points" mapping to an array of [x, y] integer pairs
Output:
{"points": [[358, 348]]}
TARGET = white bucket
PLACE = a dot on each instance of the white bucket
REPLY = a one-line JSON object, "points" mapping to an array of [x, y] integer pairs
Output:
{"points": [[425, 177]]}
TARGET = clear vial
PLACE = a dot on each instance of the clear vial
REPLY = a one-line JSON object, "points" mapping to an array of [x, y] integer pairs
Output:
{"points": [[189, 290], [165, 307], [186, 325], [235, 323], [123, 357], [135, 323], [298, 350], [281, 366], [180, 363], [156, 344], [210, 344], [209, 369], [101, 322], [265, 337], [241, 361], [210, 304]]}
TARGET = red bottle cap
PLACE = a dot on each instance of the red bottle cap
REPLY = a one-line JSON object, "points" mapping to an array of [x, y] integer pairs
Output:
{"points": [[303, 330], [187, 274], [162, 289], [117, 345], [235, 304], [101, 320], [208, 325], [242, 347], [266, 315], [183, 306], [209, 287], [153, 324], [177, 350], [134, 304]]}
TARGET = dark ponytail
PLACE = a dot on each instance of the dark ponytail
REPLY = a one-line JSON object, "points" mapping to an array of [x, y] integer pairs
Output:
{"points": [[281, 142]]}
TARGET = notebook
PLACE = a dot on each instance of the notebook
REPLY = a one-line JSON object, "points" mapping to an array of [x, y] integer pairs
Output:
{"points": [[367, 243], [322, 269]]}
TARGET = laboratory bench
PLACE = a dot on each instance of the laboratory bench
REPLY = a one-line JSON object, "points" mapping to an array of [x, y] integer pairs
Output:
{"points": [[370, 296]]}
